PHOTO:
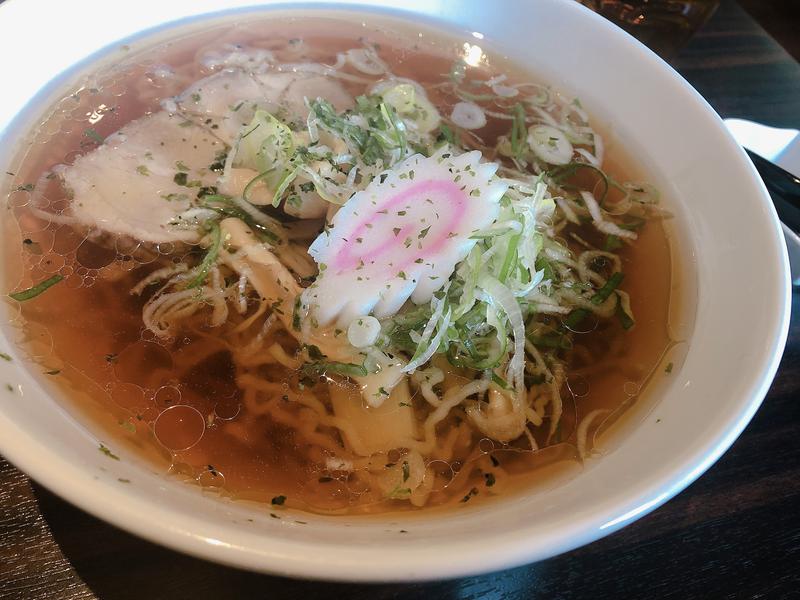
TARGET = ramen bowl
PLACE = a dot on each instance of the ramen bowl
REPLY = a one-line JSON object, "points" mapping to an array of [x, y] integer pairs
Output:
{"points": [[726, 240]]}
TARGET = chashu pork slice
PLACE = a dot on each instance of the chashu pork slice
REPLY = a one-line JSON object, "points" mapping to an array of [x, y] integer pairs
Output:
{"points": [[133, 185], [227, 100], [128, 186]]}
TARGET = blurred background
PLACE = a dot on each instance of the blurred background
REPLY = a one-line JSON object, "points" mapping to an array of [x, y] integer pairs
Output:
{"points": [[667, 25], [781, 19]]}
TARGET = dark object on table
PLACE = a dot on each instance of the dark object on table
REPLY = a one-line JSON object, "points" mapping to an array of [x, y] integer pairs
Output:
{"points": [[663, 25], [781, 19], [783, 187]]}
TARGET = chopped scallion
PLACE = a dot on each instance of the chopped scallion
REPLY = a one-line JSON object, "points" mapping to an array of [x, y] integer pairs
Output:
{"points": [[210, 258], [604, 292], [36, 290]]}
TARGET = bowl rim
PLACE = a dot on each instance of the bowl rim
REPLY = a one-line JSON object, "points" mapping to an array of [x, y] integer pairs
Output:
{"points": [[180, 532]]}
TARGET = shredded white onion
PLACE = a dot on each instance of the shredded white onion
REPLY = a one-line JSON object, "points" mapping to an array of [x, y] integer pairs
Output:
{"points": [[568, 212], [367, 61], [437, 319], [583, 430], [319, 69], [599, 147], [468, 115], [257, 215], [593, 160], [500, 296], [158, 275], [602, 224], [505, 91]]}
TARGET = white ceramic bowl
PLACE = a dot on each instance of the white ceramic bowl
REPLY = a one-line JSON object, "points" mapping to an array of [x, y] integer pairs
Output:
{"points": [[728, 227]]}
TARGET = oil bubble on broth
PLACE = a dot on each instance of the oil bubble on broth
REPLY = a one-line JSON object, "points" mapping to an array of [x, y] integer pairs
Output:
{"points": [[337, 267]]}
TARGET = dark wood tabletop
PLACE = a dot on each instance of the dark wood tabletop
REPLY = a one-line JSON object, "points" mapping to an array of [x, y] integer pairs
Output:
{"points": [[734, 533]]}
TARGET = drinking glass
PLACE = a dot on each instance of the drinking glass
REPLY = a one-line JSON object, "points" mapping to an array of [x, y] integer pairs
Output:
{"points": [[663, 25]]}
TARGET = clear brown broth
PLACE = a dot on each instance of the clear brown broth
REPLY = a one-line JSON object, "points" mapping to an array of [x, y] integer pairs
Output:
{"points": [[158, 395]]}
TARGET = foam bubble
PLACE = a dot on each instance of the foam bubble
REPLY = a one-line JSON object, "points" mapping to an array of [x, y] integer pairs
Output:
{"points": [[94, 256], [145, 363], [52, 262], [211, 478], [178, 428], [578, 385], [167, 395], [631, 388], [129, 396]]}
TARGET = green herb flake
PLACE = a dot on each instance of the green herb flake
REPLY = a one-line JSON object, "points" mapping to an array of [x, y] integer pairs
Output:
{"points": [[612, 243], [6, 357], [296, 313], [490, 479], [143, 170], [278, 500], [470, 494], [500, 381], [406, 471], [423, 233], [28, 187], [314, 353], [399, 493], [446, 135], [349, 369], [36, 290], [668, 369], [172, 197], [180, 178], [53, 372], [93, 135], [32, 247], [123, 480], [104, 449]]}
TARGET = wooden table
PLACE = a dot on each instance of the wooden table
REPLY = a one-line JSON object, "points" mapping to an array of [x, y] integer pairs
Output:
{"points": [[735, 533]]}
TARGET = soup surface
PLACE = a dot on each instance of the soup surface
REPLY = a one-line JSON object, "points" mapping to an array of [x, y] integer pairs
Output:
{"points": [[232, 357]]}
